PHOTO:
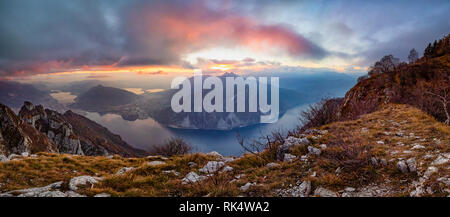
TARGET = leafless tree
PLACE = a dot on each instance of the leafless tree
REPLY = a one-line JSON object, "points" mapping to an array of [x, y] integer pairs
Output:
{"points": [[413, 56], [444, 99], [386, 64]]}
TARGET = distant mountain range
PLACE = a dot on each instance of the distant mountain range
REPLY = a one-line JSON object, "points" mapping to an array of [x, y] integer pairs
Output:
{"points": [[130, 106], [13, 94]]}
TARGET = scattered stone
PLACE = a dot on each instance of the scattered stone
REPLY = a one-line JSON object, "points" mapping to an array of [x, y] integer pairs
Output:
{"points": [[437, 141], [349, 189], [272, 165], [73, 194], [313, 150], [384, 162], [374, 161], [110, 156], [417, 146], [401, 165], [82, 180], [301, 189], [102, 195], [56, 193], [227, 159], [192, 177], [289, 157], [212, 167], [430, 171], [304, 157], [25, 154], [247, 186], [364, 130], [227, 169], [323, 192], [444, 180], [214, 154], [12, 156], [35, 192], [3, 158], [175, 173], [411, 164], [380, 142], [400, 133], [192, 164], [338, 170], [323, 146], [155, 163], [288, 143], [440, 160], [124, 170]]}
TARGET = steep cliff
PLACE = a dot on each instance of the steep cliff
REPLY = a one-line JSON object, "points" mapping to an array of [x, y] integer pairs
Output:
{"points": [[17, 136]]}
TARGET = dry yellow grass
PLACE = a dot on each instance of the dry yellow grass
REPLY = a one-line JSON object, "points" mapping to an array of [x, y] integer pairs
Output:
{"points": [[350, 147]]}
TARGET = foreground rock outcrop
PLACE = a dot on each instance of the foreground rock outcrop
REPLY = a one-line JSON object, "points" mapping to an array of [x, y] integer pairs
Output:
{"points": [[17, 136], [75, 134]]}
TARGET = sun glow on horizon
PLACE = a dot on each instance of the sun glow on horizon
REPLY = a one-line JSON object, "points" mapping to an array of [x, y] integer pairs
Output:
{"points": [[221, 67]]}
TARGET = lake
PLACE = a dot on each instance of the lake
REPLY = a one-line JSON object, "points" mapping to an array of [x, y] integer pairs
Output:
{"points": [[146, 133]]}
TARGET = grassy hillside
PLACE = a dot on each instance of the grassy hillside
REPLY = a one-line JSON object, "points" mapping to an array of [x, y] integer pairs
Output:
{"points": [[362, 154]]}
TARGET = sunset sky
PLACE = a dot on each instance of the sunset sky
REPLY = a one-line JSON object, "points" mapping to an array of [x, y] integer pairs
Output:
{"points": [[147, 38]]}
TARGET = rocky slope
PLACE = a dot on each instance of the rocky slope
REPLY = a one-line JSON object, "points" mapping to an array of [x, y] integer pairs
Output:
{"points": [[17, 136], [75, 134], [396, 151], [421, 84]]}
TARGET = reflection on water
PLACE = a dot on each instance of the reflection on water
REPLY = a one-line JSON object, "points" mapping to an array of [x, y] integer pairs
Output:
{"points": [[64, 98], [146, 133]]}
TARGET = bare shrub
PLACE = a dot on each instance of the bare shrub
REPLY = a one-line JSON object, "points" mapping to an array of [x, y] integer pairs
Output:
{"points": [[265, 147], [173, 146], [320, 113]]}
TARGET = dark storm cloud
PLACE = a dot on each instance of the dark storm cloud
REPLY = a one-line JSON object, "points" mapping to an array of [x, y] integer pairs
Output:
{"points": [[52, 35]]}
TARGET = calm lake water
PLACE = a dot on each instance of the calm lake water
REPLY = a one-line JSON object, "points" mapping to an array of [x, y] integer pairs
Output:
{"points": [[144, 134]]}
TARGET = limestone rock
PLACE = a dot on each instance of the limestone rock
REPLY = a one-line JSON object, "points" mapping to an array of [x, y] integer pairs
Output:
{"points": [[212, 167], [323, 192], [155, 163], [82, 180], [124, 170], [3, 158], [402, 166], [102, 195], [411, 164], [441, 159], [192, 177], [214, 154], [301, 189], [288, 143], [272, 165], [175, 173], [289, 157], [247, 186], [227, 169], [313, 150]]}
